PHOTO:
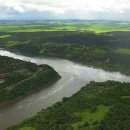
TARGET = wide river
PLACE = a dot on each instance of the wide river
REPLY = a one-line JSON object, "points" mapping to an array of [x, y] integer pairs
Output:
{"points": [[74, 76]]}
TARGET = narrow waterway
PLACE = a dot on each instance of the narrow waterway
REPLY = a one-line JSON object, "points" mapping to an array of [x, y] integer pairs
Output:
{"points": [[74, 76]]}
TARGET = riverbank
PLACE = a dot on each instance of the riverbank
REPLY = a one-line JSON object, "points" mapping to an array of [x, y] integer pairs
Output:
{"points": [[89, 61], [74, 77], [30, 92], [21, 78], [95, 106]]}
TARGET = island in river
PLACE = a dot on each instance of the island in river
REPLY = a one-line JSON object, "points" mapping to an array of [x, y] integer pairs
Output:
{"points": [[18, 78]]}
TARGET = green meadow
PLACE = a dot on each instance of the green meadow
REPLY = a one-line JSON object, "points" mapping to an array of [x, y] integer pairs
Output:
{"points": [[27, 128], [4, 36], [96, 27], [123, 51], [91, 117]]}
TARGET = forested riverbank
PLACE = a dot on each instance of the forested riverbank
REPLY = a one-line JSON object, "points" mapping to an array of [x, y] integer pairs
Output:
{"points": [[97, 106], [109, 51], [19, 78]]}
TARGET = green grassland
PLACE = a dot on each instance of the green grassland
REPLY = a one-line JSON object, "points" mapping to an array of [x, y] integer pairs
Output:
{"points": [[123, 51], [89, 117], [95, 107], [108, 27], [81, 26], [4, 36]]}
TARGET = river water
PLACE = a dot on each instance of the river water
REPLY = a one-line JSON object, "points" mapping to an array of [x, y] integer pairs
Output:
{"points": [[74, 76]]}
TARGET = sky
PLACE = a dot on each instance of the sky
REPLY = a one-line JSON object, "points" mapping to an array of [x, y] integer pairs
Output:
{"points": [[65, 9]]}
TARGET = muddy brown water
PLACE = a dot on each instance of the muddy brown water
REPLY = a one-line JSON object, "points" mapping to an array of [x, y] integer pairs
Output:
{"points": [[74, 76]]}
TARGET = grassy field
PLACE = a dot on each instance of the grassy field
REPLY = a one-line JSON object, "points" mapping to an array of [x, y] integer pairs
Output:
{"points": [[108, 27], [96, 27], [123, 51], [4, 36], [89, 117]]}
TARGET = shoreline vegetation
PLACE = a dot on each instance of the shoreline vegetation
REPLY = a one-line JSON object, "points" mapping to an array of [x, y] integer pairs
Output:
{"points": [[89, 62], [21, 78], [97, 106], [100, 44], [30, 92]]}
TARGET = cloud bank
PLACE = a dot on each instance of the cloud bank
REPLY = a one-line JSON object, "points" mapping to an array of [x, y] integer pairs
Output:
{"points": [[60, 9]]}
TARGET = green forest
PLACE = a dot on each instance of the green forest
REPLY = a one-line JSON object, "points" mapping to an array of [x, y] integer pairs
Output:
{"points": [[99, 106], [18, 78], [107, 46]]}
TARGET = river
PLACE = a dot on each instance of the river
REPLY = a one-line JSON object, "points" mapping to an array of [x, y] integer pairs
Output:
{"points": [[74, 76]]}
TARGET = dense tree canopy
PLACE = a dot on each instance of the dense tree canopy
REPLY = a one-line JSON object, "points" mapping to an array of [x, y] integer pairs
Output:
{"points": [[99, 106], [21, 77]]}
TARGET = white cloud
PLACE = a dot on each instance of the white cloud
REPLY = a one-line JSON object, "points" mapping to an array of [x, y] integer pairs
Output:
{"points": [[58, 6], [68, 6]]}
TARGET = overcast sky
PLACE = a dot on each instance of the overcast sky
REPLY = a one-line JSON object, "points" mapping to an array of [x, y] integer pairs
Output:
{"points": [[65, 9]]}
